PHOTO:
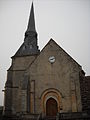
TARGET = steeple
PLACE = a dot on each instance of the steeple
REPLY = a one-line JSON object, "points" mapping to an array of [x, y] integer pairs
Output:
{"points": [[31, 23], [29, 47]]}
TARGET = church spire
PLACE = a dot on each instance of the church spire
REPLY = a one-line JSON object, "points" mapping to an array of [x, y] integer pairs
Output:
{"points": [[29, 47], [31, 22]]}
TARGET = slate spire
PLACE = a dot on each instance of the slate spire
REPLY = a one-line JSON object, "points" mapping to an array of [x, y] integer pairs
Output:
{"points": [[31, 22], [29, 47]]}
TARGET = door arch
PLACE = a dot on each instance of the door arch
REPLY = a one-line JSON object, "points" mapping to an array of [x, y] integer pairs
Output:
{"points": [[50, 93], [51, 107]]}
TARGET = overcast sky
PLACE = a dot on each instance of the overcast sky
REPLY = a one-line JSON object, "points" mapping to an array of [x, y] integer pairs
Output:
{"points": [[66, 21]]}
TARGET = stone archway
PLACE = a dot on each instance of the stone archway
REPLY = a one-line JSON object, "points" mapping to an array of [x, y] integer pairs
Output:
{"points": [[51, 107], [51, 96]]}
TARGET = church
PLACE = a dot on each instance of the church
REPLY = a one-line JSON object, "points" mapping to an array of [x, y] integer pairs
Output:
{"points": [[43, 82]]}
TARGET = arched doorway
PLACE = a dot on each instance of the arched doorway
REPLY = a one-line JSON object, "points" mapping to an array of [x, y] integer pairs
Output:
{"points": [[51, 107], [50, 94]]}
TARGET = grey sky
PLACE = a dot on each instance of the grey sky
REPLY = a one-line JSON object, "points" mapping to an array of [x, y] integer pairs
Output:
{"points": [[66, 21]]}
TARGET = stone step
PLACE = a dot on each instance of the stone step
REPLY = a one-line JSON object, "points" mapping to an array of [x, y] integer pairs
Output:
{"points": [[50, 118]]}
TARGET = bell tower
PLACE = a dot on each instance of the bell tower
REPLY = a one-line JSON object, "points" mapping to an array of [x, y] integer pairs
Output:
{"points": [[16, 79]]}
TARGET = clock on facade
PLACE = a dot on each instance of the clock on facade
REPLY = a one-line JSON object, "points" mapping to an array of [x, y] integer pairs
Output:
{"points": [[51, 59]]}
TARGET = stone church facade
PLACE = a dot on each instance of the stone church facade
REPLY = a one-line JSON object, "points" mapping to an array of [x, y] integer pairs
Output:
{"points": [[46, 81]]}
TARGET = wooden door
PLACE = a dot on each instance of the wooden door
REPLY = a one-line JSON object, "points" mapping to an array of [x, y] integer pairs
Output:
{"points": [[51, 107]]}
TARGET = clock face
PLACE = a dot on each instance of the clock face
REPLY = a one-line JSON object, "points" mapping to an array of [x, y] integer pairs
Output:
{"points": [[51, 59]]}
